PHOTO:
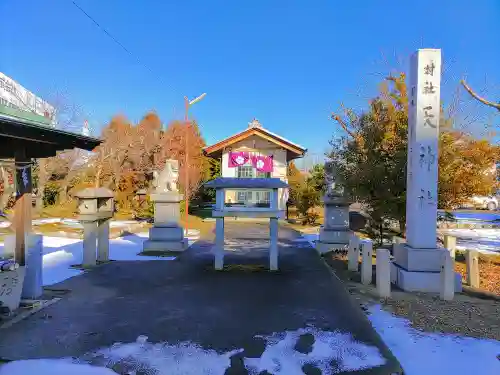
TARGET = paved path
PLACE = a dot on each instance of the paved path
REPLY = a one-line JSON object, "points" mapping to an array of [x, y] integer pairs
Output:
{"points": [[186, 300]]}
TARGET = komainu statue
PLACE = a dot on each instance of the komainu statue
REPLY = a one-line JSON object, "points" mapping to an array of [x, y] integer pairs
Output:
{"points": [[333, 188], [166, 180]]}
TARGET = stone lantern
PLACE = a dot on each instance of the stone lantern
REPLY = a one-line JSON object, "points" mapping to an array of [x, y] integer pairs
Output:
{"points": [[95, 209], [334, 234]]}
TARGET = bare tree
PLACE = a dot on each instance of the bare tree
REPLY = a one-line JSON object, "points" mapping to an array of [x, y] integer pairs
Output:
{"points": [[478, 97]]}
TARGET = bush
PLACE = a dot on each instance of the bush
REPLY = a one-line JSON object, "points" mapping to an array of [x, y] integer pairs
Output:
{"points": [[50, 193], [306, 198], [310, 218]]}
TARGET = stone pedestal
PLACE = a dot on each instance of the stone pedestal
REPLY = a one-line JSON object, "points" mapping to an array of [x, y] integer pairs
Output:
{"points": [[335, 233], [419, 270], [166, 234]]}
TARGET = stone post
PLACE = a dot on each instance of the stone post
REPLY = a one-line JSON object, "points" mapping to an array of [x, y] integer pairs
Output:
{"points": [[33, 280], [472, 267], [353, 253], [417, 264], [383, 273], [273, 232], [366, 262], [273, 239], [447, 288], [103, 240], [450, 244], [219, 244]]}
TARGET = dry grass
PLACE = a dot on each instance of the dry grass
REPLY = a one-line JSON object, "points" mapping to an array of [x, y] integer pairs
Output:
{"points": [[66, 211], [47, 228], [206, 228], [294, 215], [489, 271]]}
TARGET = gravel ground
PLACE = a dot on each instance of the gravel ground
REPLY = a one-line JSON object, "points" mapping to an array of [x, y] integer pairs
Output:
{"points": [[465, 315]]}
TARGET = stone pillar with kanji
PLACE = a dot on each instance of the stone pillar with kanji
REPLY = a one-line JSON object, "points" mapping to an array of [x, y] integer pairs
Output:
{"points": [[418, 262]]}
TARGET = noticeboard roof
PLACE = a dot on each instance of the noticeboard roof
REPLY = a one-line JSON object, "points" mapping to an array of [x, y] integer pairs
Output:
{"points": [[20, 130]]}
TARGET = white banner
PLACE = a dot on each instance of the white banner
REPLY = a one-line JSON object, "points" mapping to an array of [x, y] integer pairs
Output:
{"points": [[12, 94]]}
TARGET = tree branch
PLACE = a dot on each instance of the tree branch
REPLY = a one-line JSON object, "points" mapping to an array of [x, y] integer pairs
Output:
{"points": [[479, 98], [343, 124]]}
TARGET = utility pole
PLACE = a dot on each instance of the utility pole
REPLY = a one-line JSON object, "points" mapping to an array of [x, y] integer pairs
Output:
{"points": [[187, 104]]}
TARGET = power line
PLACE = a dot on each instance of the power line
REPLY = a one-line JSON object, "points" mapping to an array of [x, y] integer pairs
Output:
{"points": [[103, 29]]}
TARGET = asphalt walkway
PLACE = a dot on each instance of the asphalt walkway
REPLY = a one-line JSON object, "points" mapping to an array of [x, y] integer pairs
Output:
{"points": [[187, 301]]}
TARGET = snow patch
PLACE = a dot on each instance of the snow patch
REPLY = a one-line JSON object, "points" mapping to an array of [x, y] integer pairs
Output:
{"points": [[332, 353], [482, 240], [52, 367], [60, 253], [164, 359], [434, 353]]}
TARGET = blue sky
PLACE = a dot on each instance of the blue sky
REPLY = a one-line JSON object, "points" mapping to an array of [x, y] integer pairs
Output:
{"points": [[288, 63]]}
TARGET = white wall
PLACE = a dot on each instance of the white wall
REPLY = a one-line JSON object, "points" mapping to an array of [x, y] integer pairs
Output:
{"points": [[264, 147]]}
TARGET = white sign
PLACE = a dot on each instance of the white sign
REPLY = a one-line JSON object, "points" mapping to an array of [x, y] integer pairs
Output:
{"points": [[423, 133], [12, 94]]}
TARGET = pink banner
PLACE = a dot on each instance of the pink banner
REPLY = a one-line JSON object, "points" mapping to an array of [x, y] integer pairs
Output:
{"points": [[237, 158], [262, 163]]}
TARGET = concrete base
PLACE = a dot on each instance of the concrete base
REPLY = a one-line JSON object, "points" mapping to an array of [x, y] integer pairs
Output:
{"points": [[155, 245], [326, 247], [421, 260], [420, 281]]}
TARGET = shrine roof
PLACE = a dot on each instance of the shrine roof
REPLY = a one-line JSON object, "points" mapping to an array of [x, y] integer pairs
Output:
{"points": [[33, 133], [94, 193], [246, 183], [294, 150]]}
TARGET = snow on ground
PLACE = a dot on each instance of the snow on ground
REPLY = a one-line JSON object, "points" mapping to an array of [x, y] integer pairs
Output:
{"points": [[483, 240], [419, 353], [163, 358], [60, 253], [72, 223], [52, 367], [280, 356], [435, 353]]}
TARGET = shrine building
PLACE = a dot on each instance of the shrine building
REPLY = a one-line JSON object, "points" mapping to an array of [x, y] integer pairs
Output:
{"points": [[255, 153]]}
